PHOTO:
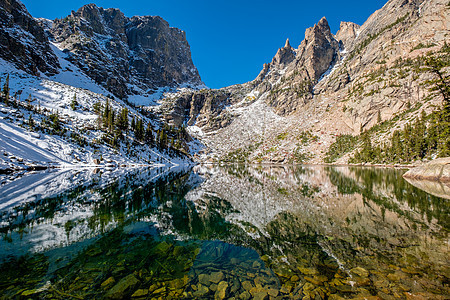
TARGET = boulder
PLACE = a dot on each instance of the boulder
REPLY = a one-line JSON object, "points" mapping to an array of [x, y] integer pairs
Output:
{"points": [[436, 170], [124, 288], [222, 290]]}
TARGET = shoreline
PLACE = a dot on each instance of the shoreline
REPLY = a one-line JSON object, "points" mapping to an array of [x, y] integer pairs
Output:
{"points": [[398, 166], [8, 171]]}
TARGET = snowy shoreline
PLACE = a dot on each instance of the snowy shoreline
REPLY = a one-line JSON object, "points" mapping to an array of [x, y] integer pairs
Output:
{"points": [[9, 170]]}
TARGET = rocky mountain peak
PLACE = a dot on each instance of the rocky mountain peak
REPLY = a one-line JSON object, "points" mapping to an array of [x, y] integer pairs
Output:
{"points": [[319, 50], [323, 24], [92, 14], [318, 32], [23, 41], [347, 33], [287, 44], [292, 74], [126, 55], [284, 56]]}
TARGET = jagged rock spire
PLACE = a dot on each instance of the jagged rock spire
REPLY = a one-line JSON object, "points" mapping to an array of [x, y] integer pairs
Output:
{"points": [[323, 23], [287, 45], [284, 55]]}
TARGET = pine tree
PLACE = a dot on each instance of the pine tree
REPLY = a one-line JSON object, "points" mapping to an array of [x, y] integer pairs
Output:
{"points": [[30, 122], [367, 151], [396, 146], [106, 114], [133, 124], [74, 103], [149, 134], [162, 138], [6, 90], [122, 120], [441, 83], [97, 107], [29, 106], [139, 132], [111, 118]]}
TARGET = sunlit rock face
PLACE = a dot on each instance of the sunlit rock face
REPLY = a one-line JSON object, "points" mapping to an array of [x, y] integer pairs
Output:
{"points": [[126, 55]]}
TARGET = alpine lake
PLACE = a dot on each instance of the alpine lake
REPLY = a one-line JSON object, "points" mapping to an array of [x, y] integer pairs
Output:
{"points": [[222, 232]]}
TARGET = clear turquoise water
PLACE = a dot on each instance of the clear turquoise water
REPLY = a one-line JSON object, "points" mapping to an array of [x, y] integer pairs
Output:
{"points": [[262, 232]]}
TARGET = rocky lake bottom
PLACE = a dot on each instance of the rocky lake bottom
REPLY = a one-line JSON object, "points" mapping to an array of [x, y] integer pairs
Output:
{"points": [[222, 232]]}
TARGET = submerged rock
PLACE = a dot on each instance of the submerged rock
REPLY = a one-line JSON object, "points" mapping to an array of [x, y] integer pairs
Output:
{"points": [[162, 247], [28, 293], [216, 277], [245, 295], [222, 290], [308, 271], [123, 288], [247, 285], [140, 293], [201, 291], [261, 295], [108, 283], [360, 272]]}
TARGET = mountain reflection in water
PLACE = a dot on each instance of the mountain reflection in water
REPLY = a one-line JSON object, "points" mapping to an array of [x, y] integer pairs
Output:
{"points": [[313, 232]]}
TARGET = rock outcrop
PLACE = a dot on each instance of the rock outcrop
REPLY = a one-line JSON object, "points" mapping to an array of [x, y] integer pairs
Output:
{"points": [[126, 55], [347, 33], [436, 170], [23, 41], [291, 75], [203, 108]]}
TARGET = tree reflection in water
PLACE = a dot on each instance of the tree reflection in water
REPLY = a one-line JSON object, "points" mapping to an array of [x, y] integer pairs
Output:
{"points": [[242, 231]]}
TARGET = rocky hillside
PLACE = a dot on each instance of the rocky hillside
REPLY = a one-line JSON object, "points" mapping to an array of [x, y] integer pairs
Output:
{"points": [[330, 85], [132, 58], [23, 42], [67, 88], [134, 55]]}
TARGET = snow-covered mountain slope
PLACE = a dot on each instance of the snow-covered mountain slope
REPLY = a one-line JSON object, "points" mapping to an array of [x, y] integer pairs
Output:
{"points": [[73, 97], [70, 95]]}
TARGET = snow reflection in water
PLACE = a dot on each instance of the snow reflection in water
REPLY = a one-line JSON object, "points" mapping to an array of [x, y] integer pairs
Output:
{"points": [[235, 231]]}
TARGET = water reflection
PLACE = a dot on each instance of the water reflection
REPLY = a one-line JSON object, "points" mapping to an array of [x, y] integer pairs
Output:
{"points": [[220, 232]]}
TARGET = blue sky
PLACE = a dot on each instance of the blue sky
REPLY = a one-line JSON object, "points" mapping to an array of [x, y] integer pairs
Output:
{"points": [[230, 40]]}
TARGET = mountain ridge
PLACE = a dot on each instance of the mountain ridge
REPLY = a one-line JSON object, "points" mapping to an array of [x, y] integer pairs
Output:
{"points": [[55, 113], [303, 102], [334, 85]]}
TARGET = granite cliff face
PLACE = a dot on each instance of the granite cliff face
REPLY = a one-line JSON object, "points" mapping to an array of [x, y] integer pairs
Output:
{"points": [[126, 55], [23, 42], [332, 85], [291, 85]]}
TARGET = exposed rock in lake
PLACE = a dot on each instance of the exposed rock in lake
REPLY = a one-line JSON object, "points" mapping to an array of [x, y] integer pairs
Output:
{"points": [[436, 170]]}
